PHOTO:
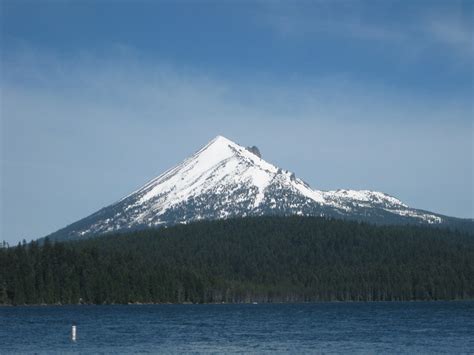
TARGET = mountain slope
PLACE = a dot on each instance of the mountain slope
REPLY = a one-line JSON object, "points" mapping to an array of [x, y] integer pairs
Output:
{"points": [[224, 179]]}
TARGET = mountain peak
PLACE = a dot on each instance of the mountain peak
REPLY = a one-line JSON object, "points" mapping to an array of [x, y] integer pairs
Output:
{"points": [[220, 140], [224, 179]]}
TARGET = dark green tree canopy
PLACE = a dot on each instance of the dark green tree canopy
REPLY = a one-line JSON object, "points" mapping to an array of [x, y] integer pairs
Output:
{"points": [[264, 259]]}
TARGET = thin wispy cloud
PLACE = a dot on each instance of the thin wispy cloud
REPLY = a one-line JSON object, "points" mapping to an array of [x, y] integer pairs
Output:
{"points": [[455, 31], [289, 24], [426, 28]]}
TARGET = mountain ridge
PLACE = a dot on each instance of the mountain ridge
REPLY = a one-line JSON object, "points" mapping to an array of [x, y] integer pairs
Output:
{"points": [[224, 179]]}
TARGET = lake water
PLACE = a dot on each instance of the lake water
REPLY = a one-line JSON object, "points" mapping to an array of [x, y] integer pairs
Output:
{"points": [[398, 327]]}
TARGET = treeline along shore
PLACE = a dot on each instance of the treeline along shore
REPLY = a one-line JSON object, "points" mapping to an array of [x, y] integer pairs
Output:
{"points": [[262, 259]]}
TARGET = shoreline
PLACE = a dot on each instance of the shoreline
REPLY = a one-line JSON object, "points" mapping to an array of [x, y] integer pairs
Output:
{"points": [[223, 303]]}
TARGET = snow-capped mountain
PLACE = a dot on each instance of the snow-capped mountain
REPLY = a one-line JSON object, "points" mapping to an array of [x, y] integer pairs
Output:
{"points": [[224, 179]]}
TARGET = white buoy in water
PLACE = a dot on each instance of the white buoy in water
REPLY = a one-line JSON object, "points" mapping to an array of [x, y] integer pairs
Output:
{"points": [[73, 332]]}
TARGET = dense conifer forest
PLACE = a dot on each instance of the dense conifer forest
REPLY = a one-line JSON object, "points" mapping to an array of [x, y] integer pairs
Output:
{"points": [[264, 259]]}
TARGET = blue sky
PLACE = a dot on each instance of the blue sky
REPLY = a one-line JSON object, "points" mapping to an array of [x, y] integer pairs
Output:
{"points": [[99, 97]]}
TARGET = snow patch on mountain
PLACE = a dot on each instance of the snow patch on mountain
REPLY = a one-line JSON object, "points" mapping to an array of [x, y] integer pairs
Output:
{"points": [[224, 179]]}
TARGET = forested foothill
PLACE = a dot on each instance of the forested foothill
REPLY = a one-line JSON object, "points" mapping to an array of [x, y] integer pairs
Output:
{"points": [[262, 259]]}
